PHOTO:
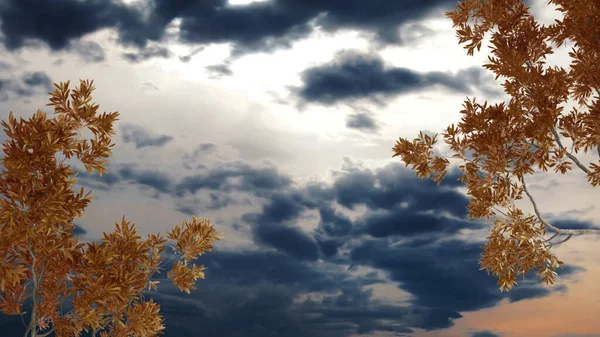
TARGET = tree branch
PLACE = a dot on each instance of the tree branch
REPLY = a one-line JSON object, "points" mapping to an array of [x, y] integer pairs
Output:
{"points": [[32, 321], [537, 146], [565, 240], [553, 228], [552, 237], [572, 157], [46, 334], [27, 331], [597, 72]]}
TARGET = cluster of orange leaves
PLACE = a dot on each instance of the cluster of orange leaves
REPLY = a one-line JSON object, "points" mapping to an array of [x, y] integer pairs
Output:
{"points": [[501, 138], [38, 252]]}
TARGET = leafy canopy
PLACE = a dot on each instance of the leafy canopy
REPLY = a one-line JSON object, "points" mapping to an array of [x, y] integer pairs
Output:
{"points": [[39, 256], [508, 141]]}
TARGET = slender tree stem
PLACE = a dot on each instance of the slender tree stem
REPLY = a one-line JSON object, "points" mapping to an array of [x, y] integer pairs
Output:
{"points": [[32, 322]]}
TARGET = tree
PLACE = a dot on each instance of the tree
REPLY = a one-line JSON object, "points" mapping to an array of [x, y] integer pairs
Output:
{"points": [[508, 141], [38, 253]]}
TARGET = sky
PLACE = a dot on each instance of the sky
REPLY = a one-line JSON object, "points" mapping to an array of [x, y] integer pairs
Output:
{"points": [[275, 119]]}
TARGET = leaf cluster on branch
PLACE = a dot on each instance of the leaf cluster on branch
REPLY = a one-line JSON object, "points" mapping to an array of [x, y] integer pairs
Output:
{"points": [[508, 141], [39, 255]]}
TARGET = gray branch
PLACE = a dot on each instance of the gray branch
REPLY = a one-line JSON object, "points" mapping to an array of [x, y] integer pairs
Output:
{"points": [[553, 228], [572, 157]]}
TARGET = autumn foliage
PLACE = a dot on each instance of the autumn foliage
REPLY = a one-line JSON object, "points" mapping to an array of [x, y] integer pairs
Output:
{"points": [[509, 141], [39, 256]]}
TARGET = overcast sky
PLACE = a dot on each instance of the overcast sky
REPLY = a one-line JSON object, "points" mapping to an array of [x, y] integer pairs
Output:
{"points": [[275, 120]]}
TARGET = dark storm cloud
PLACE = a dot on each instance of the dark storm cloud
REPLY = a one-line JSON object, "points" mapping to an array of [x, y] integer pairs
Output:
{"points": [[386, 218], [260, 26], [250, 289], [249, 293], [55, 22], [386, 224], [397, 185], [141, 138], [291, 240], [443, 274], [269, 226], [265, 292], [573, 224], [333, 223], [271, 24], [356, 75], [29, 84], [416, 249]]}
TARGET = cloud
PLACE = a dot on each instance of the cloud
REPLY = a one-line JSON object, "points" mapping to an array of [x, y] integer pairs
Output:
{"points": [[200, 149], [36, 79], [573, 224], [296, 281], [89, 51], [221, 178], [152, 178], [290, 240], [218, 182], [397, 185], [55, 22], [5, 66], [150, 86], [141, 138], [216, 200], [147, 53], [219, 70], [362, 121], [29, 84], [79, 231], [275, 24], [484, 333], [333, 223], [254, 294], [386, 223], [188, 57], [355, 75]]}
